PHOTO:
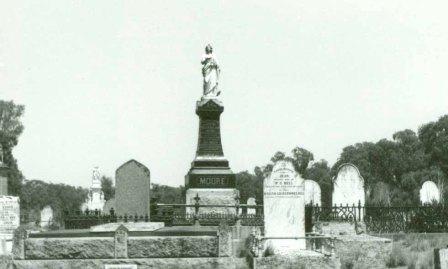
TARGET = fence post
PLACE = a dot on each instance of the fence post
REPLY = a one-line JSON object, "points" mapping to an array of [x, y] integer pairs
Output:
{"points": [[359, 211], [196, 209]]}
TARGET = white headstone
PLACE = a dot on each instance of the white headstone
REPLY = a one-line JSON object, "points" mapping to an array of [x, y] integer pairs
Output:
{"points": [[429, 193], [312, 192], [251, 201], [9, 221], [46, 216], [284, 209], [348, 187]]}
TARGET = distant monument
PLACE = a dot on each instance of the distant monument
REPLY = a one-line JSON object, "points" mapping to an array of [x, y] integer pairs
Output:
{"points": [[9, 211], [46, 216], [429, 193], [95, 198], [251, 201], [132, 195], [312, 192], [284, 209], [210, 176], [348, 188]]}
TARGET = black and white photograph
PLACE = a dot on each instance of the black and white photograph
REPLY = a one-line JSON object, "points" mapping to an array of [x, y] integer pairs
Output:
{"points": [[215, 134]]}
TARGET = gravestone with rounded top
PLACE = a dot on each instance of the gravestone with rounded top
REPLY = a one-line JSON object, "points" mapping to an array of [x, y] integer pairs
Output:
{"points": [[251, 201], [348, 187], [312, 192], [46, 216], [284, 209], [132, 183], [429, 193]]}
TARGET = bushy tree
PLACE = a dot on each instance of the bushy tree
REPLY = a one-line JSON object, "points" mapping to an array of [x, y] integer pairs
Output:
{"points": [[107, 187], [167, 194], [37, 194], [11, 128]]}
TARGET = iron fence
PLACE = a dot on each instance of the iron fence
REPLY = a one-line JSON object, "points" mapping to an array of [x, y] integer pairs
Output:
{"points": [[377, 219]]}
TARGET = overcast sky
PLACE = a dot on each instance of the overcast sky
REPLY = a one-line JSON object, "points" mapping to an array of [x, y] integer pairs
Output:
{"points": [[108, 81]]}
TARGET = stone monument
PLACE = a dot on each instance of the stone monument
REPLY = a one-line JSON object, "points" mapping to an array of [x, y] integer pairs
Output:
{"points": [[210, 176], [251, 201], [348, 186], [284, 209], [312, 192], [132, 181], [429, 193], [95, 198], [46, 216], [9, 211]]}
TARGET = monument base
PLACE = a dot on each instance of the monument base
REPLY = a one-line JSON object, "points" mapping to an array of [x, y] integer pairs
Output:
{"points": [[285, 246], [212, 197], [131, 226]]}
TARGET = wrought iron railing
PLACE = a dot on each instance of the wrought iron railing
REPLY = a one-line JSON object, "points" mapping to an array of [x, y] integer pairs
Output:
{"points": [[377, 219]]}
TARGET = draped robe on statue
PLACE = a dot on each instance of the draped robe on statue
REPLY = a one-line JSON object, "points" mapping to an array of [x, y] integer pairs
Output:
{"points": [[210, 71]]}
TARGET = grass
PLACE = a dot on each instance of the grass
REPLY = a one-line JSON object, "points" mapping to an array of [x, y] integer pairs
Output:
{"points": [[415, 251]]}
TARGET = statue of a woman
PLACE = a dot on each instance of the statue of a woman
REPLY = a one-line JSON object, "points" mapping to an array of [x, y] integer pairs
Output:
{"points": [[210, 72]]}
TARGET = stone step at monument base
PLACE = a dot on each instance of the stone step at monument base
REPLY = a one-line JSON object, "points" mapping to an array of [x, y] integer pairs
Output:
{"points": [[301, 259], [131, 226], [184, 263], [211, 196]]}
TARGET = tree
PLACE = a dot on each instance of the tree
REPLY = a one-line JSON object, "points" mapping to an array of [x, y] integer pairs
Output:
{"points": [[434, 136], [301, 159], [167, 194], [249, 185], [10, 129], [107, 187], [321, 173], [37, 194]]}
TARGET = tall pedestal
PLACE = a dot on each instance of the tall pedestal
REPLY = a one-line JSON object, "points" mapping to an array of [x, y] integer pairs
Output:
{"points": [[210, 176]]}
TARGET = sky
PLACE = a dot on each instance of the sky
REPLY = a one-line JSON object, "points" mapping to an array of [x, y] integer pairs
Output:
{"points": [[104, 82]]}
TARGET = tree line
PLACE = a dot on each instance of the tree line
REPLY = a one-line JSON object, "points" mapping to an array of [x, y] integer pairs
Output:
{"points": [[393, 170]]}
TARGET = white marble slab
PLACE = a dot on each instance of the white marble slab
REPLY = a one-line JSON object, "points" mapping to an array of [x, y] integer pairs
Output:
{"points": [[284, 209]]}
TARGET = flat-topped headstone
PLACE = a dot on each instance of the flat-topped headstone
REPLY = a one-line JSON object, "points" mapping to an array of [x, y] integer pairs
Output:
{"points": [[9, 214], [132, 183], [348, 186], [312, 192], [429, 193], [9, 221], [284, 209]]}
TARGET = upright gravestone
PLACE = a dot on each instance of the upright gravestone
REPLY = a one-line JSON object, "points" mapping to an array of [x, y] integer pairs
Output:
{"points": [[312, 192], [251, 201], [9, 221], [46, 216], [348, 188], [132, 181], [9, 211], [284, 209], [429, 193]]}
